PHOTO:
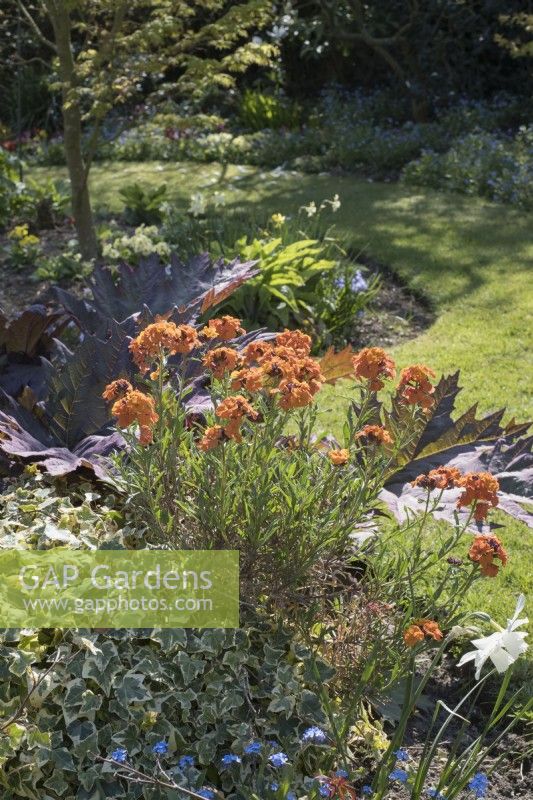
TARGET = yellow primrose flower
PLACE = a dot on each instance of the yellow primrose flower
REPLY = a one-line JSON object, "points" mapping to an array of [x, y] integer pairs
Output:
{"points": [[278, 220], [29, 240], [18, 232]]}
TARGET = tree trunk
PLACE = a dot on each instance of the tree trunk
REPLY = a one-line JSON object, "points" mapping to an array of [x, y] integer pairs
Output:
{"points": [[81, 202], [79, 189]]}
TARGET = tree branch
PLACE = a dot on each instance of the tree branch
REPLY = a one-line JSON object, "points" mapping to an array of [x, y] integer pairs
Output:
{"points": [[35, 28]]}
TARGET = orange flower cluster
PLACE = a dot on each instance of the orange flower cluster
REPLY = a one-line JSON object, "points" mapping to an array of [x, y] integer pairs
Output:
{"points": [[439, 478], [224, 328], [116, 389], [256, 351], [338, 457], [235, 409], [129, 406], [373, 364], [160, 337], [295, 340], [375, 434], [484, 550], [212, 437], [294, 394], [285, 366], [480, 488], [421, 628], [250, 379], [221, 360], [415, 387]]}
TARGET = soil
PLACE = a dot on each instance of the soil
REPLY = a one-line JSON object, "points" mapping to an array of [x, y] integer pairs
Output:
{"points": [[18, 287], [512, 777]]}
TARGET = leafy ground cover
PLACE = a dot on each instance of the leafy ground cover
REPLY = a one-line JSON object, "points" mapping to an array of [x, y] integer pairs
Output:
{"points": [[471, 259]]}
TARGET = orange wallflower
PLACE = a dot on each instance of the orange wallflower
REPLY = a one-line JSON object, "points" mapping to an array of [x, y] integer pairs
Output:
{"points": [[116, 389], [376, 434], [250, 379], [339, 457], [480, 488], [308, 370], [236, 407], [484, 550], [224, 328], [373, 364], [129, 406], [186, 339], [280, 363], [255, 351], [162, 336], [283, 364], [295, 340], [232, 429], [221, 360], [439, 478], [136, 407], [415, 387], [421, 628], [294, 394], [413, 635], [212, 437]]}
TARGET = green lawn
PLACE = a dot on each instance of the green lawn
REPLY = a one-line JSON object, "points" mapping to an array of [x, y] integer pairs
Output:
{"points": [[473, 259]]}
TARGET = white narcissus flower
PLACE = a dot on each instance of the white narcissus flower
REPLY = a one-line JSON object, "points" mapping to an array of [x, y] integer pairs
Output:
{"points": [[311, 209], [335, 203], [198, 204], [502, 647]]}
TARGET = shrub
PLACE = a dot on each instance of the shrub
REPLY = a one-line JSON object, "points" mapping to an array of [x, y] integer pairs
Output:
{"points": [[66, 266], [41, 205], [258, 111], [144, 241], [24, 246], [241, 474], [496, 167]]}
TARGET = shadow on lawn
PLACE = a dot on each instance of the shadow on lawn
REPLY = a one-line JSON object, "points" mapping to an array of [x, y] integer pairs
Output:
{"points": [[401, 228]]}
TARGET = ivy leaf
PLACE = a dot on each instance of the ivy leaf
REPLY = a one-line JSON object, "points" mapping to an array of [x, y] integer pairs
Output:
{"points": [[190, 667]]}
